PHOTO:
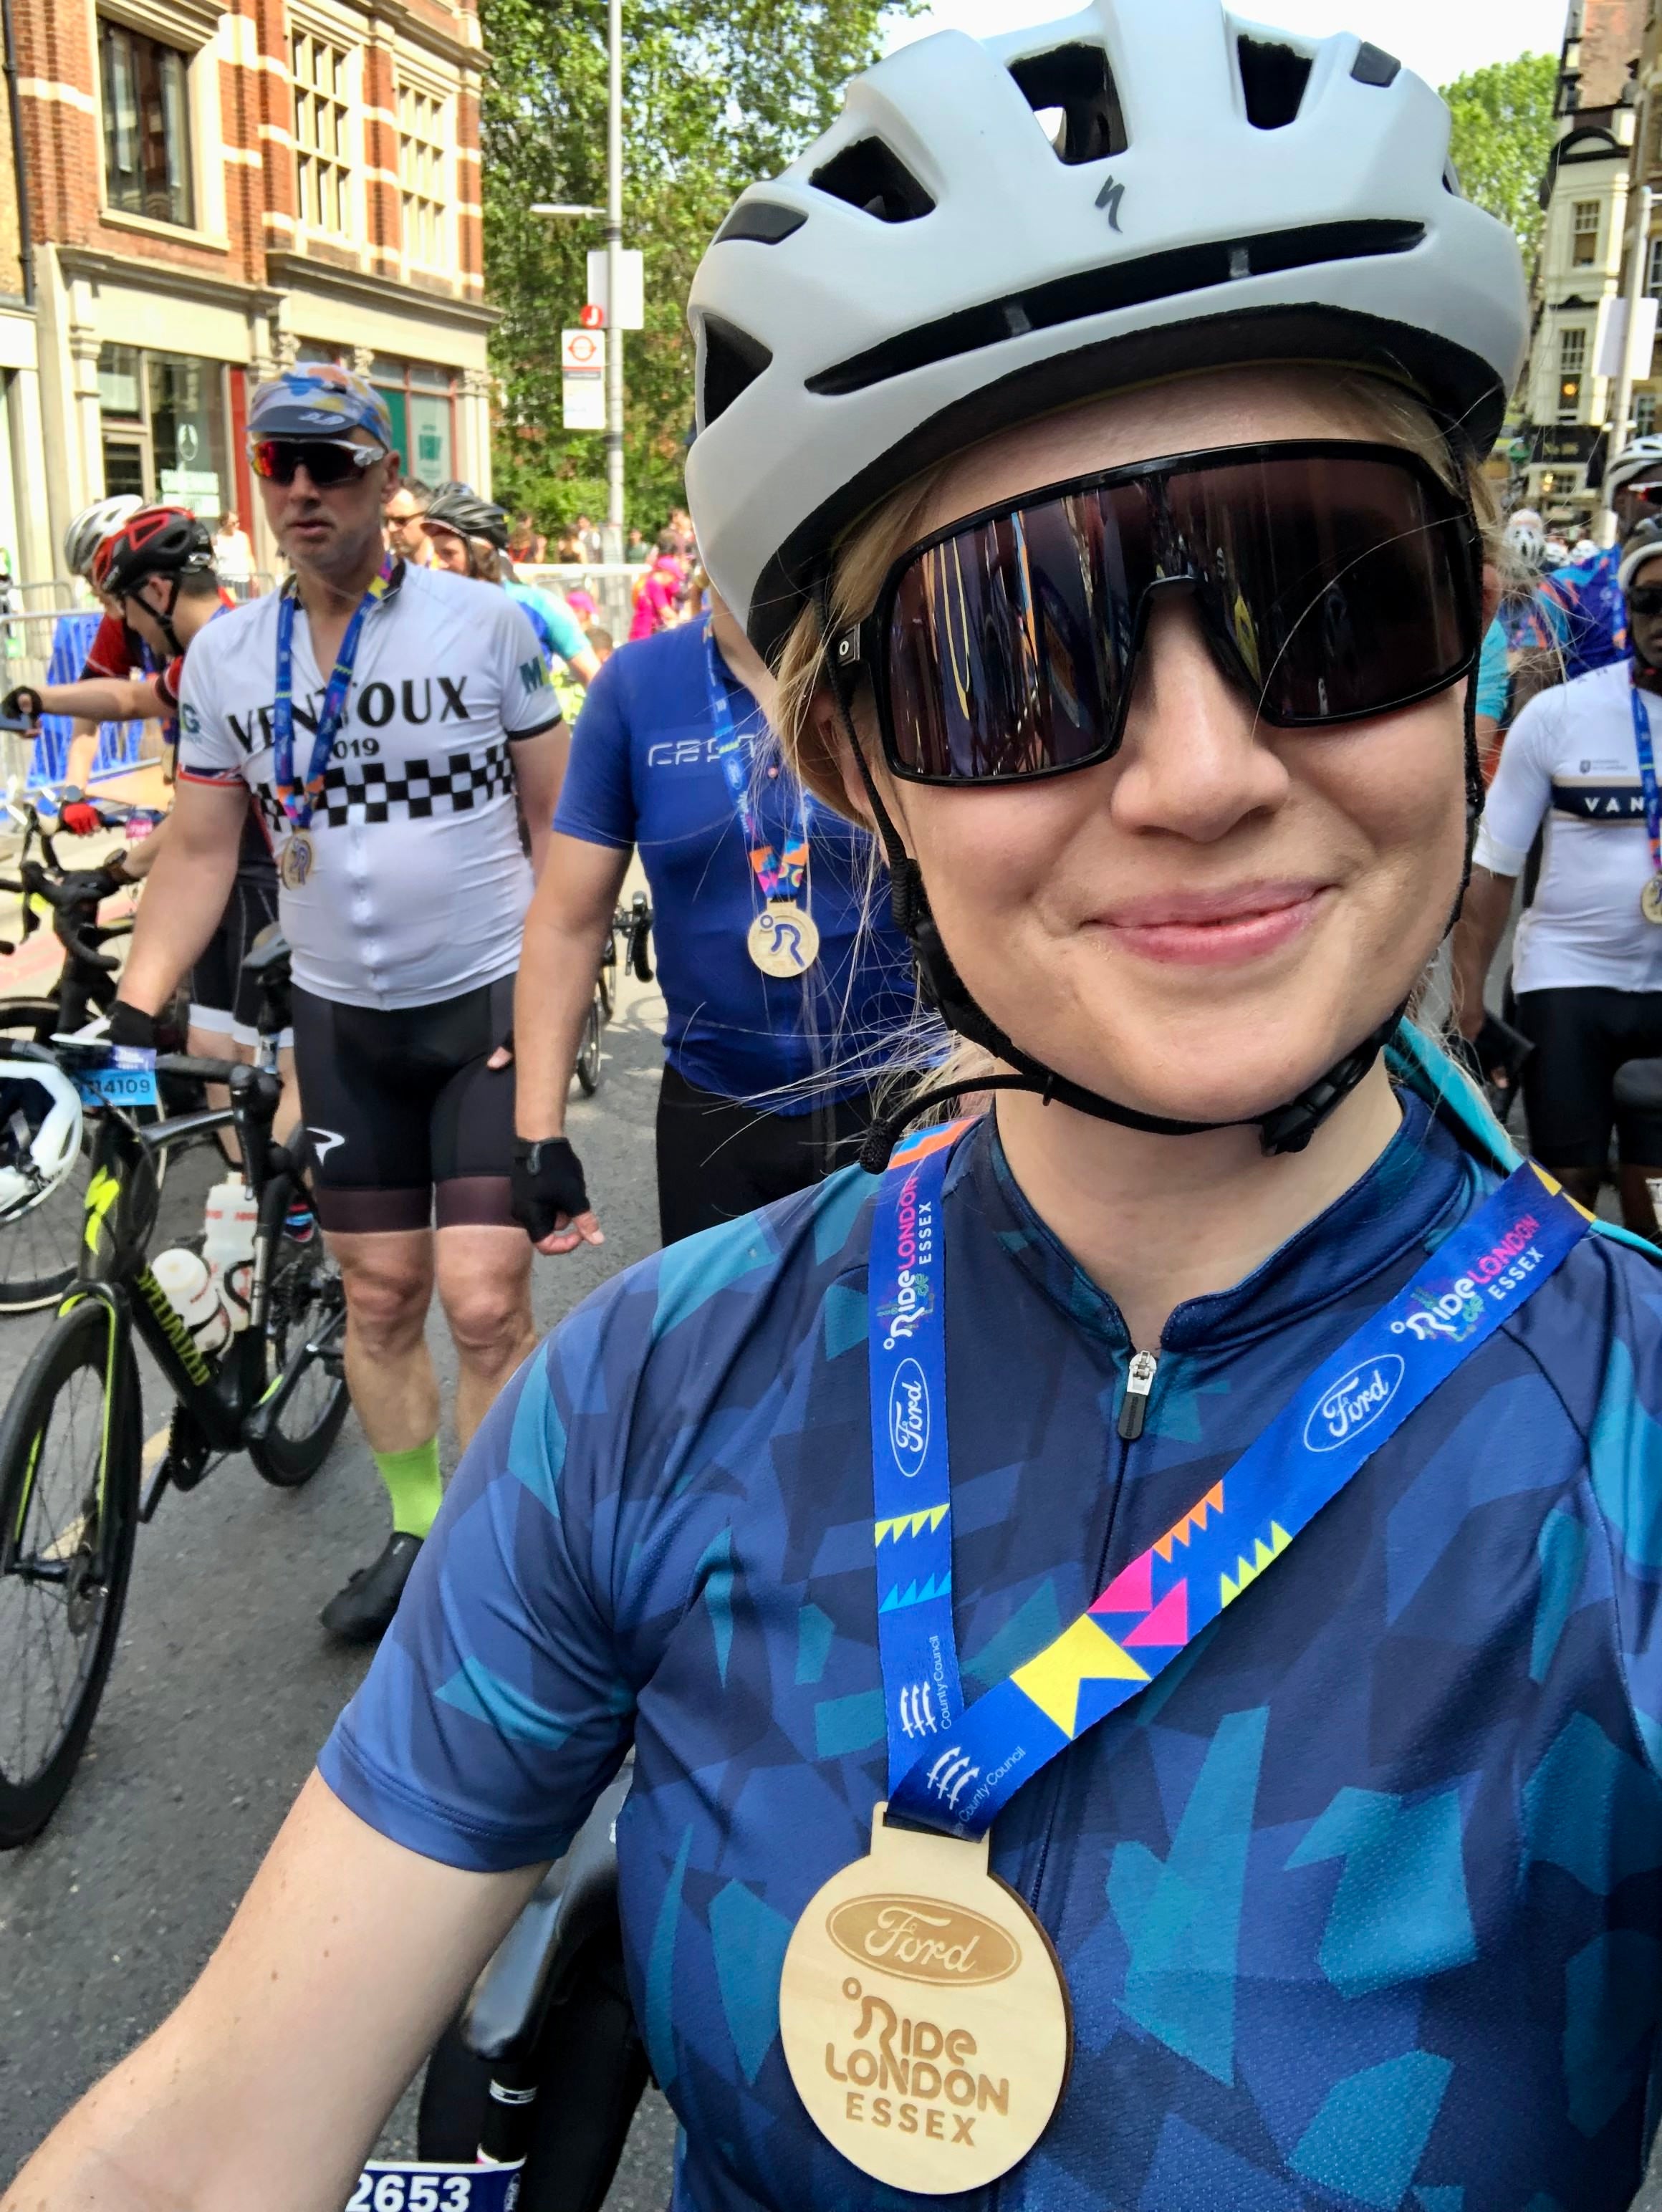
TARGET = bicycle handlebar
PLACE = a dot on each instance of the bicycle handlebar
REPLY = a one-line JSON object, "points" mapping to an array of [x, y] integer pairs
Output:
{"points": [[183, 1064], [78, 949]]}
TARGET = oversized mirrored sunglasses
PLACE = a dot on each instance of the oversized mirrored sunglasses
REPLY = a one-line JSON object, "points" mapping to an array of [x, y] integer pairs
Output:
{"points": [[1332, 580], [326, 461]]}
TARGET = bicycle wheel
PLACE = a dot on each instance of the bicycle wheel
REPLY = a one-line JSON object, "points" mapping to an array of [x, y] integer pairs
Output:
{"points": [[306, 1304], [41, 1250], [588, 1052], [69, 1516]]}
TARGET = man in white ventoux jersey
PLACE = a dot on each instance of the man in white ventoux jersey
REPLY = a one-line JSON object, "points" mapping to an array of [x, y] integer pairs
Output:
{"points": [[391, 722], [1587, 962]]}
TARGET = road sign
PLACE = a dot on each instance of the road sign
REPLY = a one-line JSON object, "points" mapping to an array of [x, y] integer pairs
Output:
{"points": [[631, 305], [583, 402], [582, 353], [590, 316]]}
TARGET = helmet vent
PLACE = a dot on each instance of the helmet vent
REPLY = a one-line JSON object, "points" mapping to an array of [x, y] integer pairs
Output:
{"points": [[732, 362], [872, 176], [1071, 90], [765, 221], [1273, 80]]}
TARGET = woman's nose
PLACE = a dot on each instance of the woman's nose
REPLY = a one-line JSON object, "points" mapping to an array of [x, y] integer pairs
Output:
{"points": [[1194, 758]]}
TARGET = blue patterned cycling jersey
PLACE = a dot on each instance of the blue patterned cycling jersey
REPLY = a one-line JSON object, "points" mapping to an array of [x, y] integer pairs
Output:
{"points": [[1579, 614], [1359, 1905]]}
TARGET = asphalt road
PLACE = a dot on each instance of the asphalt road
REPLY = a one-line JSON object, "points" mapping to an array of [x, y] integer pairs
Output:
{"points": [[224, 1686]]}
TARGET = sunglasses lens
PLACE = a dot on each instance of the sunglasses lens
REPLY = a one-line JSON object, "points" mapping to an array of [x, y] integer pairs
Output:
{"points": [[325, 462], [1647, 601], [1330, 587]]}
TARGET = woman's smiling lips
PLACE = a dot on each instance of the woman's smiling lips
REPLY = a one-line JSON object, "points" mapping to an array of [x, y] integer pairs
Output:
{"points": [[1213, 929]]}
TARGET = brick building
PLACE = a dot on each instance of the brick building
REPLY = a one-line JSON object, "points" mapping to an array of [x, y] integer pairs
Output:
{"points": [[210, 190]]}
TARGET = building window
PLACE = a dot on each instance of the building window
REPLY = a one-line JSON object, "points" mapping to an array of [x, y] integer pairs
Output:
{"points": [[322, 121], [166, 428], [1584, 232], [147, 131], [1653, 269], [422, 163], [1644, 414], [421, 398], [1572, 362]]}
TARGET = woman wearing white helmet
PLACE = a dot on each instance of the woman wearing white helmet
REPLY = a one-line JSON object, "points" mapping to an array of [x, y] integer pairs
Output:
{"points": [[1110, 492]]}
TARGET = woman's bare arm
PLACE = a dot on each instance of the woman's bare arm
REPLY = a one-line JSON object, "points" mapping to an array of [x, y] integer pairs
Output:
{"points": [[266, 2088]]}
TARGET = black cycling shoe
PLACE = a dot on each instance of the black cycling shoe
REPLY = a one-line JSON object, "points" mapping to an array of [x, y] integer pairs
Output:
{"points": [[363, 1611]]}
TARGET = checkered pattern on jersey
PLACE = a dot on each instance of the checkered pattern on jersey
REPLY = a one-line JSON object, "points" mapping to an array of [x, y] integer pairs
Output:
{"points": [[372, 791]]}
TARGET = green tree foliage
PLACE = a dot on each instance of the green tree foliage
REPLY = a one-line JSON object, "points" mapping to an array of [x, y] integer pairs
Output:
{"points": [[1503, 133], [716, 93]]}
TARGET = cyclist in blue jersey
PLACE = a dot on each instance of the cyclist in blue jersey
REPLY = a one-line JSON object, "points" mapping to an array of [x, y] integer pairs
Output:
{"points": [[1286, 1575], [1577, 618], [469, 535]]}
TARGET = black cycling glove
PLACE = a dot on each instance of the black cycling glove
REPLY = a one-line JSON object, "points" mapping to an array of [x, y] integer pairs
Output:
{"points": [[548, 1186], [129, 1026]]}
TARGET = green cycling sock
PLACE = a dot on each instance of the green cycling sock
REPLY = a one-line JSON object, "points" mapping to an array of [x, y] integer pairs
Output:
{"points": [[413, 1484]]}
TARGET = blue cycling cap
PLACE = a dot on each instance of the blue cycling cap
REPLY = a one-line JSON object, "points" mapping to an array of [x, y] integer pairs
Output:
{"points": [[318, 400]]}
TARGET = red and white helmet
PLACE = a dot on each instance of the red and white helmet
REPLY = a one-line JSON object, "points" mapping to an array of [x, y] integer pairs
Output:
{"points": [[994, 228]]}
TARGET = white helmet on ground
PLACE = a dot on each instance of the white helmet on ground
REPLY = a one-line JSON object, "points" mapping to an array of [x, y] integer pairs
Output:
{"points": [[1632, 461], [40, 1134], [941, 264], [92, 526]]}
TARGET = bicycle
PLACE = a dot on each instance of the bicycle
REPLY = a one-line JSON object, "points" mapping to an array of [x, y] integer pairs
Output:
{"points": [[633, 923], [71, 1493], [39, 1250]]}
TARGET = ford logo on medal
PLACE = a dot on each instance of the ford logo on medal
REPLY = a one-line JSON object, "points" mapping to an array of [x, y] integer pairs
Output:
{"points": [[1354, 1402]]}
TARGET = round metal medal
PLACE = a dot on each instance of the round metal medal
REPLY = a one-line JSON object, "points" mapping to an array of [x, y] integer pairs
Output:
{"points": [[783, 940], [1650, 899], [923, 2014], [299, 858]]}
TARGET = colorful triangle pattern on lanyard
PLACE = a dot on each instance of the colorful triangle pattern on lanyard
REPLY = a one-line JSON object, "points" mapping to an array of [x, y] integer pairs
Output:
{"points": [[954, 1768], [779, 876]]}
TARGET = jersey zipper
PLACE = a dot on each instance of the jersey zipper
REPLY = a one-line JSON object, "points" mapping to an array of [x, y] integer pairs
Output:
{"points": [[1134, 1406]]}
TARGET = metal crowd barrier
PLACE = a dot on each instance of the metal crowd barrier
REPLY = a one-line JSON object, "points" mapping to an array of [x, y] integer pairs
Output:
{"points": [[610, 583]]}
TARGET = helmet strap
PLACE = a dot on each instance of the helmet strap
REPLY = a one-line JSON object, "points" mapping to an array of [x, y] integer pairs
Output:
{"points": [[1286, 1128]]}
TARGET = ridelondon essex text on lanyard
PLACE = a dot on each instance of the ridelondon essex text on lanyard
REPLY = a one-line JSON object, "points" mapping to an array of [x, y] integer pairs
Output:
{"points": [[922, 2011], [784, 939], [297, 802]]}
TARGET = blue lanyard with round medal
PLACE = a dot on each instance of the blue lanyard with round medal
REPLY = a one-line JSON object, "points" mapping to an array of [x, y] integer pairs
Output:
{"points": [[299, 801], [1650, 899], [783, 940], [922, 2011]]}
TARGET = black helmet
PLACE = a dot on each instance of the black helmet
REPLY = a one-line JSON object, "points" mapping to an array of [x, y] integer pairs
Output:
{"points": [[458, 507], [158, 541]]}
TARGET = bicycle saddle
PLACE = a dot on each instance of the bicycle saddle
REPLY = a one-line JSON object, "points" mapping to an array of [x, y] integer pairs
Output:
{"points": [[1639, 1084], [269, 953], [575, 1904]]}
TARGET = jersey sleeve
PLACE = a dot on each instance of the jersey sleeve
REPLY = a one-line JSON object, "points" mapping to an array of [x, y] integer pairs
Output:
{"points": [[208, 750], [111, 654], [502, 1701], [1493, 675], [565, 630], [597, 800], [1522, 789], [529, 706]]}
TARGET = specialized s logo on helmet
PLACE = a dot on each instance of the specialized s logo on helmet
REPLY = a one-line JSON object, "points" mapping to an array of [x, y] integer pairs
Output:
{"points": [[1110, 197]]}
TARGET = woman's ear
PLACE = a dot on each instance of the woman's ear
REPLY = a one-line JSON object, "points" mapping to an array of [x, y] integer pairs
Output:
{"points": [[1491, 592], [831, 740]]}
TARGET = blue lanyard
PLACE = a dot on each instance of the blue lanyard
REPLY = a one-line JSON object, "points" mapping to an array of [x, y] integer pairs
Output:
{"points": [[1642, 742], [778, 878], [296, 804], [954, 1768]]}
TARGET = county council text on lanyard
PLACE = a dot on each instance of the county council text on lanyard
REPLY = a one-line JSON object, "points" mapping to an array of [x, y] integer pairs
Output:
{"points": [[782, 941], [296, 801]]}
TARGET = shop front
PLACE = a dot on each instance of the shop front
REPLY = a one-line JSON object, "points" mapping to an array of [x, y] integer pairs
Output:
{"points": [[164, 421]]}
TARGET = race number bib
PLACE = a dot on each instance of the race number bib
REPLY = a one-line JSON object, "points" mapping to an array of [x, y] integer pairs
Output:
{"points": [[110, 1074], [386, 2188]]}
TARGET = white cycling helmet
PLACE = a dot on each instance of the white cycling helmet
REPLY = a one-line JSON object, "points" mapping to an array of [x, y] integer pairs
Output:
{"points": [[1632, 461], [40, 1134], [92, 526], [940, 264], [1528, 542]]}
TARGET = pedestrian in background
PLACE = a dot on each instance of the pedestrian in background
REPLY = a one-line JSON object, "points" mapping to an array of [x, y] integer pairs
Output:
{"points": [[233, 554], [406, 511], [659, 594], [527, 542]]}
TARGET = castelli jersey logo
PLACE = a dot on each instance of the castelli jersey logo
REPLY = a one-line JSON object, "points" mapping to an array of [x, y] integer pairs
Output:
{"points": [[909, 1417], [1354, 1403]]}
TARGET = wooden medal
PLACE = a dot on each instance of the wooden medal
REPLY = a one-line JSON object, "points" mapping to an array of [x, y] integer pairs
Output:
{"points": [[1650, 899], [783, 940], [923, 2014], [299, 855]]}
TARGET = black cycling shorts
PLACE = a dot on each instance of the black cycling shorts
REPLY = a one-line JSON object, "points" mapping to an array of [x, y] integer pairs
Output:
{"points": [[400, 1106], [223, 1000], [1581, 1036]]}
